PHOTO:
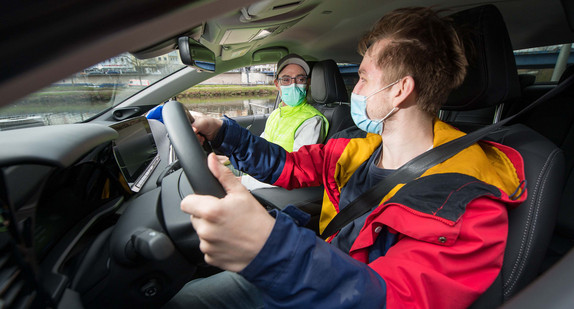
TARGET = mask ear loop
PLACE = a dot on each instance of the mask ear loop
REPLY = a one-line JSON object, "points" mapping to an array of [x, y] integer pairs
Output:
{"points": [[387, 86], [382, 121], [394, 110]]}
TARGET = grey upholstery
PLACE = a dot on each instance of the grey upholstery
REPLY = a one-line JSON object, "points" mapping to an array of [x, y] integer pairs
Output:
{"points": [[330, 95], [492, 79], [555, 120]]}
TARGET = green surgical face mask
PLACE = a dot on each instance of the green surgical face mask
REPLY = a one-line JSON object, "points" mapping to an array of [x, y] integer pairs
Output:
{"points": [[293, 94]]}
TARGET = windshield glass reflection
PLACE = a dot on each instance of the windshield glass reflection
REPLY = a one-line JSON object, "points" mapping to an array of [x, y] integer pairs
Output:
{"points": [[88, 93]]}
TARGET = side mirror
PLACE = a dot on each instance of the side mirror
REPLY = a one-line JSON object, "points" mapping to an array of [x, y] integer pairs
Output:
{"points": [[196, 55]]}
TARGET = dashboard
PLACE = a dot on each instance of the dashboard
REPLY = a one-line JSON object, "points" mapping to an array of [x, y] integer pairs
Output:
{"points": [[68, 186], [66, 173], [86, 197]]}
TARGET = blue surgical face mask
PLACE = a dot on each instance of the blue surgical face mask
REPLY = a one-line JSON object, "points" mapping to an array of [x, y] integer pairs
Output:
{"points": [[359, 112], [293, 94]]}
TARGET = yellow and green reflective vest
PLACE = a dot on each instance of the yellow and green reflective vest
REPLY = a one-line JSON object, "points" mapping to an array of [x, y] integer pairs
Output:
{"points": [[284, 122]]}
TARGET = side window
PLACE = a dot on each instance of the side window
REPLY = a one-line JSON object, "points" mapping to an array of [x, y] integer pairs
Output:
{"points": [[350, 76], [543, 64], [240, 92]]}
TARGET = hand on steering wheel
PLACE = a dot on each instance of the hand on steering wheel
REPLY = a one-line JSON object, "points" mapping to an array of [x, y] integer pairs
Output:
{"points": [[189, 151]]}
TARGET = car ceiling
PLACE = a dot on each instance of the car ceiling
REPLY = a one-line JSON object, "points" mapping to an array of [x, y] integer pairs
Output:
{"points": [[48, 40]]}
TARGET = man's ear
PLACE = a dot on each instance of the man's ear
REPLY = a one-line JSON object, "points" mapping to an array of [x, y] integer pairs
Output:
{"points": [[403, 91], [276, 82]]}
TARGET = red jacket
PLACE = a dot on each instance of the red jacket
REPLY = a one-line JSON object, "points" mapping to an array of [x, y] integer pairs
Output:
{"points": [[449, 226]]}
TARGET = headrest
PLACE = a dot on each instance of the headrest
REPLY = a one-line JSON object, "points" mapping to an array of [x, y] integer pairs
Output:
{"points": [[327, 85], [492, 77]]}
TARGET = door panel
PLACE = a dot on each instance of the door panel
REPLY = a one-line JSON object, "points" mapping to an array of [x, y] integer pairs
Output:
{"points": [[254, 123]]}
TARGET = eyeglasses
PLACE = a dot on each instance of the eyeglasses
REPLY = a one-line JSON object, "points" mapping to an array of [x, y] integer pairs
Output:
{"points": [[288, 80]]}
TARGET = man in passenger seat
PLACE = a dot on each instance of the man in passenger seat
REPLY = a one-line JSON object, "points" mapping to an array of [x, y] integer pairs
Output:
{"points": [[435, 242], [295, 123]]}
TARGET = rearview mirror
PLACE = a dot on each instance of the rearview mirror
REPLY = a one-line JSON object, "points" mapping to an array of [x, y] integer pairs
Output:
{"points": [[196, 55]]}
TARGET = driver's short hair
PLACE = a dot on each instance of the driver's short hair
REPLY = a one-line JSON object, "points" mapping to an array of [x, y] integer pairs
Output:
{"points": [[423, 45]]}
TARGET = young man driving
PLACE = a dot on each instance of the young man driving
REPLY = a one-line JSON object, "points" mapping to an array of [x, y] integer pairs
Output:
{"points": [[435, 242]]}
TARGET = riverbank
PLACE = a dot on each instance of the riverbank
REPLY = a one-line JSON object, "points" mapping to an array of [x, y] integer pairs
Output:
{"points": [[228, 91], [83, 98]]}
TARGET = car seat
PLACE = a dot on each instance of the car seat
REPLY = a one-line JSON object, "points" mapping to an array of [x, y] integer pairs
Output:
{"points": [[330, 95], [492, 79], [555, 120]]}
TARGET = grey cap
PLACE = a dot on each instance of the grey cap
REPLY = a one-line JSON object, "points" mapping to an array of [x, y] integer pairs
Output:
{"points": [[292, 59]]}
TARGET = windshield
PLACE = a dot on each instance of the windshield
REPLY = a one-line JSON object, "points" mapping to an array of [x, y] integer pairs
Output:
{"points": [[88, 92]]}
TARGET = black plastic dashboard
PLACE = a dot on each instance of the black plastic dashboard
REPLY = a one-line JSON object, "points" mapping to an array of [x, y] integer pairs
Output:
{"points": [[64, 187], [59, 146], [78, 216]]}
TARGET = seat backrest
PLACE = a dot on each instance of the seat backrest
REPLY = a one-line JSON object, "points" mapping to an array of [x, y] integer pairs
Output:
{"points": [[330, 95], [555, 120], [563, 107], [492, 79]]}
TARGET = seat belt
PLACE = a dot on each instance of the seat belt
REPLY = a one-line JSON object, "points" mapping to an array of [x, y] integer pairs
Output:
{"points": [[418, 165]]}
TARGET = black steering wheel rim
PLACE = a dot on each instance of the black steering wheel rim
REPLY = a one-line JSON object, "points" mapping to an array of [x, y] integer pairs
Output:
{"points": [[189, 151]]}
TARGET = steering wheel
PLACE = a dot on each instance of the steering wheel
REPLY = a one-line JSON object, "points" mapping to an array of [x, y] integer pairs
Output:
{"points": [[189, 151], [142, 242]]}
